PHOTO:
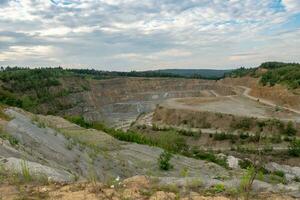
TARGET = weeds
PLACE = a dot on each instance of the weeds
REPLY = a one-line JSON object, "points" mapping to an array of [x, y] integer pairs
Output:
{"points": [[169, 140], [294, 148], [11, 139], [219, 188], [209, 156], [25, 171]]}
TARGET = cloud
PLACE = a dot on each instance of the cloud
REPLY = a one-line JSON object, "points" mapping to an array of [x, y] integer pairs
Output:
{"points": [[124, 33], [6, 39], [292, 5], [25, 52], [243, 56]]}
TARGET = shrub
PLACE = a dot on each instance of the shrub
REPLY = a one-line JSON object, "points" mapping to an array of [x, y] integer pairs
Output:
{"points": [[195, 134], [276, 139], [294, 148], [247, 181], [244, 164], [209, 156], [279, 173], [219, 188], [290, 130], [244, 124], [79, 120], [224, 136], [12, 140], [244, 136], [164, 161]]}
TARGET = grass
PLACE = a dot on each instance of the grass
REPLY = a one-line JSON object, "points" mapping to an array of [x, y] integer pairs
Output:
{"points": [[25, 171], [218, 188], [169, 140], [3, 115], [225, 136], [294, 148], [279, 173], [5, 136], [209, 156]]}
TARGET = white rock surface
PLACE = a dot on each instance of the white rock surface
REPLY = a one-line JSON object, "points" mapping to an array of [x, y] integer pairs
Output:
{"points": [[36, 170]]}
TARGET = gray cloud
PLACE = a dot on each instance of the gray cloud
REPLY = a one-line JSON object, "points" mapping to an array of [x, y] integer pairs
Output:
{"points": [[134, 34]]}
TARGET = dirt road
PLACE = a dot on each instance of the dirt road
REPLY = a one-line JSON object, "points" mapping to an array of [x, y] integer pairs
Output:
{"points": [[247, 91]]}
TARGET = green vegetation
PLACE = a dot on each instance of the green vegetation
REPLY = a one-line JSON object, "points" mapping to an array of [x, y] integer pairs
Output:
{"points": [[283, 73], [30, 88], [190, 133], [168, 140], [243, 124], [164, 161], [290, 129], [244, 164], [225, 136], [247, 181], [276, 73], [25, 171], [209, 156], [279, 173], [240, 72], [5, 136], [79, 120], [294, 148], [219, 188], [33, 83], [195, 73]]}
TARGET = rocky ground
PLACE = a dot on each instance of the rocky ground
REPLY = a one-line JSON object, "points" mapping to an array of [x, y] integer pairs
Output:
{"points": [[68, 160], [135, 188], [52, 149]]}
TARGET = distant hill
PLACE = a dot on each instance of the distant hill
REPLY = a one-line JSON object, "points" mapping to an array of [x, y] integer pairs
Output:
{"points": [[204, 73]]}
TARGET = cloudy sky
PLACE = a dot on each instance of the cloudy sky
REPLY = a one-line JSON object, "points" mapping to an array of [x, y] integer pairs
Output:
{"points": [[148, 34]]}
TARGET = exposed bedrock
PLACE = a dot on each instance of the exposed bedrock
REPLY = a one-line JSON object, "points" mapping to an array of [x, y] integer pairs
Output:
{"points": [[116, 100]]}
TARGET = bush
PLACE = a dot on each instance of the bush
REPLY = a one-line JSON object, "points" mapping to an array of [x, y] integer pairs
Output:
{"points": [[79, 120], [244, 136], [244, 124], [224, 136], [290, 130], [190, 133], [164, 161], [209, 156], [294, 148], [12, 140], [244, 164], [279, 173], [218, 188]]}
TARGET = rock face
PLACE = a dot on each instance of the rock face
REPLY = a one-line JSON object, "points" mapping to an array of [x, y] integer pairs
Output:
{"points": [[66, 146], [36, 170], [61, 151], [119, 100], [290, 172], [233, 162]]}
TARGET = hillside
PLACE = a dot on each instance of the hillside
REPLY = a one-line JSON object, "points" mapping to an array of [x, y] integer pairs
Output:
{"points": [[271, 73], [196, 73], [31, 159], [93, 130]]}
